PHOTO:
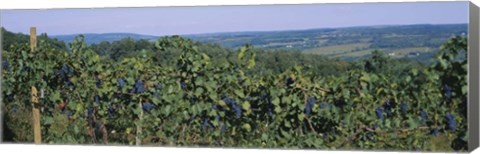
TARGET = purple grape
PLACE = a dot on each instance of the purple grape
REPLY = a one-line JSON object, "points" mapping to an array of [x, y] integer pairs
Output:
{"points": [[404, 107], [290, 81], [207, 124], [183, 85], [147, 107], [6, 65], [98, 83], [451, 122], [121, 82], [310, 104], [448, 91], [423, 115], [159, 87], [97, 99], [139, 86], [90, 111], [236, 108], [239, 79], [379, 112], [110, 111]]}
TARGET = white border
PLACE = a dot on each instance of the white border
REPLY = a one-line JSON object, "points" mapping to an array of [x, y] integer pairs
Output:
{"points": [[73, 149]]}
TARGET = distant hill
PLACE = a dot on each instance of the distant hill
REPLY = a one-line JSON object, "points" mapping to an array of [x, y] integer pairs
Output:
{"points": [[110, 37], [417, 42], [411, 41]]}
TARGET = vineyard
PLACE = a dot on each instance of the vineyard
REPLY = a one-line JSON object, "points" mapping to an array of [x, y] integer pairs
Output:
{"points": [[86, 98]]}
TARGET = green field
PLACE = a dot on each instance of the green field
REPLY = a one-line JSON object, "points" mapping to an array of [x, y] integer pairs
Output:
{"points": [[337, 49]]}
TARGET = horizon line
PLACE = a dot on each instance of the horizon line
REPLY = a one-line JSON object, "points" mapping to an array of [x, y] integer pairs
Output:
{"points": [[254, 31]]}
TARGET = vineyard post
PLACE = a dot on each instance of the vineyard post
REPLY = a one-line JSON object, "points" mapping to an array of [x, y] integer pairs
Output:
{"points": [[35, 105], [138, 140]]}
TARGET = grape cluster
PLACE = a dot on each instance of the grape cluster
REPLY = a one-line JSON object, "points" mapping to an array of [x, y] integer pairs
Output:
{"points": [[290, 81], [403, 106], [97, 99], [147, 107], [158, 88], [66, 70], [379, 112], [207, 124], [6, 65], [90, 111], [451, 122], [10, 97], [310, 104], [110, 111], [389, 105], [448, 91], [237, 108], [269, 106], [63, 73], [183, 85], [121, 82], [423, 115], [139, 87], [239, 79], [435, 131]]}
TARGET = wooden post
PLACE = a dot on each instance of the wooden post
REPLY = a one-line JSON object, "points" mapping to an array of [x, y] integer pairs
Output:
{"points": [[138, 140], [35, 105]]}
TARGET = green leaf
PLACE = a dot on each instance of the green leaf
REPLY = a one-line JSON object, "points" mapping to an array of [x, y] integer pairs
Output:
{"points": [[241, 53], [198, 91], [247, 127], [276, 101], [301, 116], [464, 89], [246, 105], [239, 93]]}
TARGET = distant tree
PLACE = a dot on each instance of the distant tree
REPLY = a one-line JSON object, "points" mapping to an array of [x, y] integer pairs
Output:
{"points": [[377, 63], [103, 48], [120, 48]]}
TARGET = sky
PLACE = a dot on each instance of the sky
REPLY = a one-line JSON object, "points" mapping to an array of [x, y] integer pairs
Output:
{"points": [[161, 21]]}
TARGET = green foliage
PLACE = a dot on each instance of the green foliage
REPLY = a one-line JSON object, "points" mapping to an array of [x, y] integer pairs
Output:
{"points": [[200, 101]]}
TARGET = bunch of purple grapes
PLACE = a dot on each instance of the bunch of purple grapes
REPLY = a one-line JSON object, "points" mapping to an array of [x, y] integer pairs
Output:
{"points": [[451, 122], [403, 106], [423, 115], [6, 65], [448, 91], [379, 112], [63, 73], [237, 108], [310, 104], [389, 105], [139, 87], [121, 82]]}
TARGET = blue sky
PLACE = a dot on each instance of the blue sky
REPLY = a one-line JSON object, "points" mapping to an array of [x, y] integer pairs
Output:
{"points": [[210, 19]]}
